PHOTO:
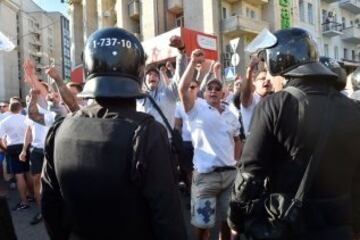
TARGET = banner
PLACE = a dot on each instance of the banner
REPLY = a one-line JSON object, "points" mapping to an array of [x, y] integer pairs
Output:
{"points": [[5, 43]]}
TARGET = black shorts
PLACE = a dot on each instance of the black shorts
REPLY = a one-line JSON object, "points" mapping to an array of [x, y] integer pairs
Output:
{"points": [[15, 165], [36, 158]]}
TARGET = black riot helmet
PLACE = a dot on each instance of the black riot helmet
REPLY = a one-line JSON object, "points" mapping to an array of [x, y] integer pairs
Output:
{"points": [[293, 53], [355, 79], [335, 66], [113, 65]]}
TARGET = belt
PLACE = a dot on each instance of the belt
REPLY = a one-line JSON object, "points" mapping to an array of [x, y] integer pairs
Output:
{"points": [[225, 168]]}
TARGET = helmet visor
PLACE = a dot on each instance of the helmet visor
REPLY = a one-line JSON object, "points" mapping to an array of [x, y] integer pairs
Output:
{"points": [[265, 39]]}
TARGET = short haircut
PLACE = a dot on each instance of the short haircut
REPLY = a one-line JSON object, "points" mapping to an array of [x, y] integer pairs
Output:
{"points": [[15, 99], [78, 86], [15, 107]]}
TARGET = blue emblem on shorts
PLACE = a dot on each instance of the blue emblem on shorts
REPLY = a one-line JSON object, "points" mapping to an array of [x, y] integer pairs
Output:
{"points": [[206, 211]]}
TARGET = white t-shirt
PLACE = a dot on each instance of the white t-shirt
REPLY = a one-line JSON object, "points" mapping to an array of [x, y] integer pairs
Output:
{"points": [[247, 112], [212, 135], [38, 133], [185, 129], [49, 116], [4, 115], [13, 128], [165, 97]]}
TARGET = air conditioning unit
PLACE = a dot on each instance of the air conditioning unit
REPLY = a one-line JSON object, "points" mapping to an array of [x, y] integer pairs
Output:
{"points": [[179, 21]]}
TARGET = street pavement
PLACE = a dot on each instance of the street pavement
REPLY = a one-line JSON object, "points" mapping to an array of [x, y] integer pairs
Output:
{"points": [[22, 218], [25, 231]]}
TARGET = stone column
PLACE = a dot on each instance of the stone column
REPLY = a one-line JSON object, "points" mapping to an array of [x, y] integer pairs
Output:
{"points": [[148, 19], [90, 17], [76, 32], [106, 13]]}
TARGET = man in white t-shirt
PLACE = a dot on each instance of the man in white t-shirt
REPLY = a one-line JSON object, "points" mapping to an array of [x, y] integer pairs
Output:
{"points": [[13, 128], [35, 139], [217, 147], [254, 87], [182, 124]]}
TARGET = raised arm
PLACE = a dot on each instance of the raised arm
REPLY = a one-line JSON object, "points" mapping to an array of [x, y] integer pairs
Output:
{"points": [[68, 98], [247, 85], [34, 113], [164, 76], [32, 79], [197, 56], [181, 61]]}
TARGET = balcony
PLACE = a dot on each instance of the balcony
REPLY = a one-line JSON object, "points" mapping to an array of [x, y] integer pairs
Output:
{"points": [[238, 24], [175, 6], [351, 5], [331, 1], [354, 62], [331, 29], [351, 35], [134, 9], [257, 2]]}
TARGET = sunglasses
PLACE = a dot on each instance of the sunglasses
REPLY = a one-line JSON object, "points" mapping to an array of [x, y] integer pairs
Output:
{"points": [[210, 88], [193, 87], [3, 106]]}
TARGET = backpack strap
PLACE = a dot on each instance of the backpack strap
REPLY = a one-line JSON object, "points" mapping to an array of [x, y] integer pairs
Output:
{"points": [[138, 161], [314, 161]]}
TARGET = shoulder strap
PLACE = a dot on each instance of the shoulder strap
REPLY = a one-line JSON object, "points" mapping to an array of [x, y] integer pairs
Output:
{"points": [[137, 161], [167, 124], [314, 160]]}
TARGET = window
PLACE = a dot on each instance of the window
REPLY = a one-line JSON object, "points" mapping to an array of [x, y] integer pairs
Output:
{"points": [[302, 10], [336, 53], [324, 15], [250, 13], [353, 55], [326, 50], [224, 12], [310, 14], [343, 20], [179, 21], [345, 53]]}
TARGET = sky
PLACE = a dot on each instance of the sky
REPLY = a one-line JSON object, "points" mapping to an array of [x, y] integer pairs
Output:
{"points": [[53, 5]]}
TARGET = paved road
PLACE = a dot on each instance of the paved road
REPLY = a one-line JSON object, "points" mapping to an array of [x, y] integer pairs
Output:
{"points": [[25, 231], [22, 218]]}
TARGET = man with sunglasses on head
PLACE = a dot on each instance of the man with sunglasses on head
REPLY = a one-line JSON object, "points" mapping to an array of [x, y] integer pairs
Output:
{"points": [[215, 136]]}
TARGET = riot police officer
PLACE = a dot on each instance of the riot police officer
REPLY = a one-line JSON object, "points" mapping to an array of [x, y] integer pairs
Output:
{"points": [[108, 171], [278, 148], [338, 69]]}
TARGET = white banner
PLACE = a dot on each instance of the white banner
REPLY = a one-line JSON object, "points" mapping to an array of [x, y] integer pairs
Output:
{"points": [[5, 43]]}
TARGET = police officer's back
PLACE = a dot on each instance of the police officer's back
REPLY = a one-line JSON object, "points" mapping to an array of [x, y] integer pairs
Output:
{"points": [[278, 151], [108, 173]]}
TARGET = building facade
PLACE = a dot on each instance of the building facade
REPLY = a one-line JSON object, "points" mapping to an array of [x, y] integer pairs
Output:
{"points": [[9, 77], [333, 24], [38, 35]]}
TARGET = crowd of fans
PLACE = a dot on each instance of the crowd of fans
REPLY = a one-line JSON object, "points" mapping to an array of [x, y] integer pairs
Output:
{"points": [[213, 118]]}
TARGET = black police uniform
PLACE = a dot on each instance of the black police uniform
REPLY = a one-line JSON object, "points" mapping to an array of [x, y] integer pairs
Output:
{"points": [[336, 187], [277, 151], [88, 185], [108, 172]]}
